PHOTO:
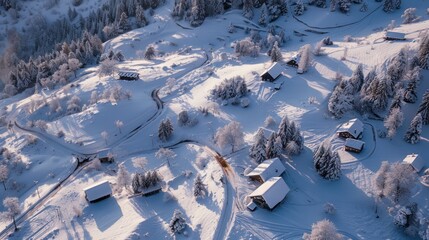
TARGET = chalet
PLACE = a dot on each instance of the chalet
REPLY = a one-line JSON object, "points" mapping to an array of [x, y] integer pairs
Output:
{"points": [[105, 156], [129, 76], [272, 73], [293, 61], [351, 129], [270, 193], [394, 36], [98, 191], [353, 145], [266, 170], [415, 161]]}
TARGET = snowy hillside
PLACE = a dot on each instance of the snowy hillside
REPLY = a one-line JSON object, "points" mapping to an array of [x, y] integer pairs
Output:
{"points": [[198, 115]]}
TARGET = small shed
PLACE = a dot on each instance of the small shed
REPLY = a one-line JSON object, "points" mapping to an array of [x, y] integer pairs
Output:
{"points": [[98, 191], [415, 161], [272, 73], [267, 169], [394, 35], [270, 193], [105, 156], [293, 61], [353, 145], [251, 206], [129, 76], [351, 129]]}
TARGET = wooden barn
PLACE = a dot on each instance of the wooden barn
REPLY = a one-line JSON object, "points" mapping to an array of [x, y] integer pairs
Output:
{"points": [[98, 191], [293, 61], [272, 73], [105, 156], [415, 161], [394, 35], [351, 129], [129, 76], [266, 170], [354, 145], [270, 193]]}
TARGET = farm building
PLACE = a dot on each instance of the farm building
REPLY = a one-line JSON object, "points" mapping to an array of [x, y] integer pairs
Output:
{"points": [[266, 170], [353, 145], [272, 73], [394, 36], [105, 156], [151, 190], [98, 191], [293, 61], [415, 161], [128, 76], [351, 129], [270, 193]]}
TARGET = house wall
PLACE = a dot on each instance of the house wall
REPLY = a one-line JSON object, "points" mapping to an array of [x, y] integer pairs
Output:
{"points": [[350, 149], [257, 178]]}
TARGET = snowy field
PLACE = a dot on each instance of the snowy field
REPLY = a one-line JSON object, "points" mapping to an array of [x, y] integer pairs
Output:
{"points": [[191, 62]]}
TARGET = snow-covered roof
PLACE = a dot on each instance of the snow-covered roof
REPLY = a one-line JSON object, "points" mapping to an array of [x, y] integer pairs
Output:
{"points": [[251, 206], [98, 190], [415, 161], [103, 153], [395, 35], [268, 169], [354, 127], [273, 191], [275, 70], [353, 143], [129, 75]]}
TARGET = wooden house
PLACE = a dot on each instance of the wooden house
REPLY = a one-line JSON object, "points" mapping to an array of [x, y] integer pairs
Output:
{"points": [[415, 161], [353, 145], [394, 35], [272, 73], [351, 129], [98, 191], [293, 61], [129, 76], [270, 193], [266, 170]]}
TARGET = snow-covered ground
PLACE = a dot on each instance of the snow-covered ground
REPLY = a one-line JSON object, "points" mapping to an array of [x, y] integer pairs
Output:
{"points": [[190, 63]]}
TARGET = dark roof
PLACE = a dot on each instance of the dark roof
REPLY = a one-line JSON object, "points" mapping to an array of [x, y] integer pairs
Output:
{"points": [[128, 75]]}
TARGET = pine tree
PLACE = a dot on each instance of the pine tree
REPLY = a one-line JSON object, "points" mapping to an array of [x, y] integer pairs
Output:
{"points": [[273, 149], [299, 8], [149, 53], [423, 52], [276, 54], [165, 130], [258, 149], [135, 183], [333, 5], [326, 162], [140, 17], [344, 5], [123, 25], [423, 109], [393, 121], [283, 131], [388, 6], [357, 78], [414, 131], [364, 6], [263, 18], [397, 101], [379, 96], [177, 222], [248, 9], [199, 187], [410, 94], [197, 13]]}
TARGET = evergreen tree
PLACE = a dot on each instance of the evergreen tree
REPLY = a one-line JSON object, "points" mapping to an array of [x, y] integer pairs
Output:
{"points": [[123, 25], [283, 131], [414, 131], [273, 148], [423, 52], [397, 101], [333, 5], [258, 149], [263, 17], [367, 81], [248, 9], [344, 5], [326, 162], [397, 66], [140, 17], [149, 53], [357, 78], [197, 13], [423, 109], [276, 54], [199, 187], [388, 6], [364, 7], [393, 121], [135, 183], [177, 222], [165, 130], [410, 94], [318, 3], [299, 8]]}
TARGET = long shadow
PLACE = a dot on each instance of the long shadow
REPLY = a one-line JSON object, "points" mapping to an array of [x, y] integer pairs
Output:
{"points": [[104, 219]]}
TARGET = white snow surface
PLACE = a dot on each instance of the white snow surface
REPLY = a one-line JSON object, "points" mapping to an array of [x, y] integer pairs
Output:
{"points": [[195, 60]]}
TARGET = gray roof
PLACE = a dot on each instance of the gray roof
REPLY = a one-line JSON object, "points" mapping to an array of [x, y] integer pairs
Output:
{"points": [[128, 74]]}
